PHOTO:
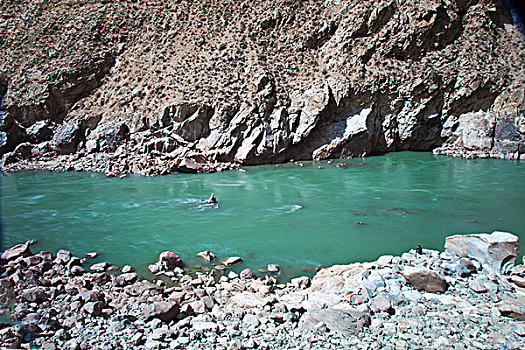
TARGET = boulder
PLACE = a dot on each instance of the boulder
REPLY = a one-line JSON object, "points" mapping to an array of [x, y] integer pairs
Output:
{"points": [[384, 260], [46, 255], [187, 165], [204, 326], [34, 295], [99, 267], [247, 274], [93, 308], [125, 279], [66, 138], [301, 282], [77, 270], [511, 310], [169, 260], [424, 279], [19, 250], [64, 255], [153, 268], [248, 300], [198, 307], [229, 262], [519, 281], [345, 322], [91, 296], [163, 310], [127, 269], [497, 252], [207, 256], [382, 303]]}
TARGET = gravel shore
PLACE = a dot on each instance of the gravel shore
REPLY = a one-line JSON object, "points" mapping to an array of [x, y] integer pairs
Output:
{"points": [[429, 299]]}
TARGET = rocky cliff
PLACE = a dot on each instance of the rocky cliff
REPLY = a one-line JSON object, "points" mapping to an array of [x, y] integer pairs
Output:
{"points": [[160, 86]]}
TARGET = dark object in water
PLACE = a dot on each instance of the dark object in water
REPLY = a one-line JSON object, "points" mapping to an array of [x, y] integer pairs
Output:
{"points": [[360, 223], [212, 199]]}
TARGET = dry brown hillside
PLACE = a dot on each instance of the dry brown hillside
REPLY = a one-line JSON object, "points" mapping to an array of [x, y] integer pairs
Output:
{"points": [[161, 86]]}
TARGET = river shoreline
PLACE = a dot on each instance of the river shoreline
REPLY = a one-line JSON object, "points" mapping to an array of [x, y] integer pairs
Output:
{"points": [[416, 300]]}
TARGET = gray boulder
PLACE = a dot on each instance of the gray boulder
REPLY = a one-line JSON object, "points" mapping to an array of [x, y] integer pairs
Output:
{"points": [[20, 250], [67, 138], [94, 308], [229, 262], [126, 279], [207, 256], [169, 260], [497, 252], [99, 267], [64, 256], [163, 310], [247, 274], [345, 322]]}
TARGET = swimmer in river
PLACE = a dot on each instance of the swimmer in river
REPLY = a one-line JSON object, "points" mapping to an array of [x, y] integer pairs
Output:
{"points": [[212, 199], [210, 203]]}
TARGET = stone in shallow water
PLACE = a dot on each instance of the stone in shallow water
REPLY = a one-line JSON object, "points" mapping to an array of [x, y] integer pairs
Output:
{"points": [[169, 260], [229, 262], [207, 255], [127, 269]]}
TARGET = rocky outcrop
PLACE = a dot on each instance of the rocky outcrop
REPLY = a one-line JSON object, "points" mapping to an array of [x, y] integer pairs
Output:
{"points": [[496, 252], [152, 87]]}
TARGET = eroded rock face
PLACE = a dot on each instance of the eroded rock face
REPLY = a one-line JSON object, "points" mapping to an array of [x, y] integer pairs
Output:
{"points": [[497, 252], [335, 79]]}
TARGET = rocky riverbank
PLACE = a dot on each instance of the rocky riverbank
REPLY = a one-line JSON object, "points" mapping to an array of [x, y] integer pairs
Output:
{"points": [[472, 295], [155, 87]]}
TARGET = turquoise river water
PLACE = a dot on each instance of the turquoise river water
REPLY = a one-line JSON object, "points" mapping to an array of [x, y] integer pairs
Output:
{"points": [[373, 206]]}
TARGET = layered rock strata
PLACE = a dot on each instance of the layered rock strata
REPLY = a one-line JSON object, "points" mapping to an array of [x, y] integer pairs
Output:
{"points": [[428, 300], [154, 87]]}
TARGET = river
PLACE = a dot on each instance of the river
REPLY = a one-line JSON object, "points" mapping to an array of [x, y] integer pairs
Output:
{"points": [[298, 217]]}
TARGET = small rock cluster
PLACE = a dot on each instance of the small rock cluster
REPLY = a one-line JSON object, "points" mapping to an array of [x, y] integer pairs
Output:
{"points": [[428, 300]]}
